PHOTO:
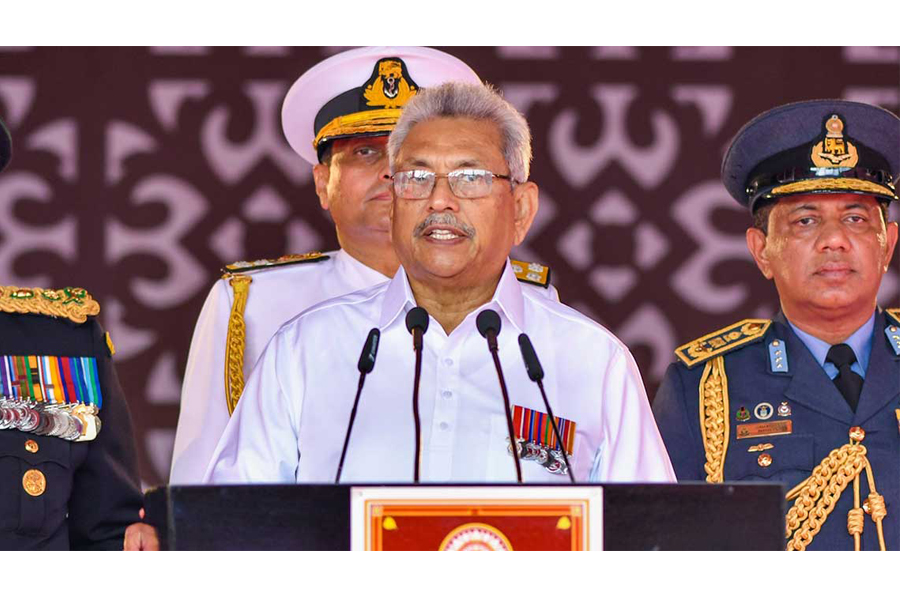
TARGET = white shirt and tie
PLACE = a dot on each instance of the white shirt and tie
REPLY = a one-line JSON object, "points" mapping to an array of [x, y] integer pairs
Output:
{"points": [[290, 423]]}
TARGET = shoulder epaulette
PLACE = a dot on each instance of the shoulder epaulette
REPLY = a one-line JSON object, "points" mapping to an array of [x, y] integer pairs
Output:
{"points": [[722, 341], [532, 273], [244, 266], [70, 303], [893, 314]]}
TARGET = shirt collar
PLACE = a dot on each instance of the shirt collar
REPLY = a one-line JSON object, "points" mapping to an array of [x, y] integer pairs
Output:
{"points": [[508, 298], [860, 341], [346, 263]]}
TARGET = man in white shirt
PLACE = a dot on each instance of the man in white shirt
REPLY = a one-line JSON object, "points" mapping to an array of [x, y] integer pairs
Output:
{"points": [[336, 116], [460, 156]]}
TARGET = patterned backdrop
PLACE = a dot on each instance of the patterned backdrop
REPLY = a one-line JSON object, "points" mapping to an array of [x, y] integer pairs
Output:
{"points": [[138, 173]]}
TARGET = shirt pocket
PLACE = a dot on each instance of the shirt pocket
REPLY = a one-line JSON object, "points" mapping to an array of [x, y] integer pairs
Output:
{"points": [[36, 483], [790, 458]]}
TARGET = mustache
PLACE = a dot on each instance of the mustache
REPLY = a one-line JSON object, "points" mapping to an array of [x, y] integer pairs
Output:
{"points": [[443, 219]]}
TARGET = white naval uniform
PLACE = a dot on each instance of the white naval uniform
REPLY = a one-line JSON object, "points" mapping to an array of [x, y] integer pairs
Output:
{"points": [[276, 295], [290, 423]]}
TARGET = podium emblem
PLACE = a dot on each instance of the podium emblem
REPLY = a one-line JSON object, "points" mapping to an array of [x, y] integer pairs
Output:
{"points": [[476, 537]]}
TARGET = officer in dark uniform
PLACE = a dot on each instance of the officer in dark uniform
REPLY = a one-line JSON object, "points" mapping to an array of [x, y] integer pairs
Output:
{"points": [[811, 398], [68, 467]]}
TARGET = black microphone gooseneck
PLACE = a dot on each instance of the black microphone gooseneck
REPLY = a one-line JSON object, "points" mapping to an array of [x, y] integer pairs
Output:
{"points": [[365, 365], [536, 374], [488, 324], [417, 324]]}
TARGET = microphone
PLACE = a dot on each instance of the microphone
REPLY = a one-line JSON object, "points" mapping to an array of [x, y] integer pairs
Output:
{"points": [[365, 365], [488, 324], [417, 324], [536, 374]]}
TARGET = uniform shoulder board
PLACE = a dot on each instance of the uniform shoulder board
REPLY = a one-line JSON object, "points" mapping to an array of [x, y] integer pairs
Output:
{"points": [[722, 341], [72, 303], [892, 331], [532, 273], [288, 259], [893, 315]]}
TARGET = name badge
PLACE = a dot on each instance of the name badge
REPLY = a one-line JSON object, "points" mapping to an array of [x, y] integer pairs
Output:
{"points": [[754, 430]]}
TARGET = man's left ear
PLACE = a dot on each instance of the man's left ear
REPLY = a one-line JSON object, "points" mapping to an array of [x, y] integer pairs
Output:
{"points": [[891, 230], [525, 196]]}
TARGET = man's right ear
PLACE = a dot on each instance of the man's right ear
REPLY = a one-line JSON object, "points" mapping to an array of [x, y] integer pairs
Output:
{"points": [[321, 173], [756, 243]]}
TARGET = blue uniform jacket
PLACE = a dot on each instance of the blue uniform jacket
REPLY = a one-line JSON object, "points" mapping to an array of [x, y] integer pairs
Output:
{"points": [[92, 492], [820, 419]]}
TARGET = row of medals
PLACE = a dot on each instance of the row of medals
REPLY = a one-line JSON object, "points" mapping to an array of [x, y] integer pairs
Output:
{"points": [[72, 422], [549, 458]]}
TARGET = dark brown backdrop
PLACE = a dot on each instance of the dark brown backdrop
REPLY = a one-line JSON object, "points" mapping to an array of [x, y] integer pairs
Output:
{"points": [[139, 172]]}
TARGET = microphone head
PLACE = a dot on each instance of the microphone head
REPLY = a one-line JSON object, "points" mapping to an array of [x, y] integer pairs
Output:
{"points": [[370, 349], [532, 364], [417, 318], [487, 320]]}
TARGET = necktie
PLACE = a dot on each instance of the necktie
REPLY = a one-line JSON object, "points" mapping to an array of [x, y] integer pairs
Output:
{"points": [[849, 383]]}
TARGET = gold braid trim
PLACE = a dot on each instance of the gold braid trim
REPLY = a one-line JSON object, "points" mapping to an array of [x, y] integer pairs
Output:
{"points": [[236, 341], [835, 183], [815, 498], [714, 418], [70, 303], [366, 121]]}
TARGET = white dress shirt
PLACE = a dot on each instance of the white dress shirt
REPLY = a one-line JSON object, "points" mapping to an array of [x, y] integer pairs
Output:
{"points": [[290, 423], [276, 295]]}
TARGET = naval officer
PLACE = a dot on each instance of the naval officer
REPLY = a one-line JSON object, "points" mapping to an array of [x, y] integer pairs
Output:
{"points": [[460, 158], [810, 398]]}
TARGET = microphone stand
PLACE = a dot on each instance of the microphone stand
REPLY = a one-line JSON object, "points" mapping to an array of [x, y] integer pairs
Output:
{"points": [[365, 366], [536, 374], [417, 325], [417, 346], [488, 323]]}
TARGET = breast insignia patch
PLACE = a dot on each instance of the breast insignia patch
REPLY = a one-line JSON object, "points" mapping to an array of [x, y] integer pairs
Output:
{"points": [[72, 303], [533, 273], [288, 259], [722, 341]]}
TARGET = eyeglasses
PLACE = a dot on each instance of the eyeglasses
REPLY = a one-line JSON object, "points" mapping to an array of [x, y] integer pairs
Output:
{"points": [[464, 183]]}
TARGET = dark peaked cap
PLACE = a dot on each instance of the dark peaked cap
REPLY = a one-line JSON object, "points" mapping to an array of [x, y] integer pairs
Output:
{"points": [[774, 149]]}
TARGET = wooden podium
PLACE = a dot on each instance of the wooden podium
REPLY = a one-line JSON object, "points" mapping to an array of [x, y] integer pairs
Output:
{"points": [[691, 516]]}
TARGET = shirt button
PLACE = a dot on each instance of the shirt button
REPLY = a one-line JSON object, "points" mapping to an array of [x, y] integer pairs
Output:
{"points": [[444, 426], [448, 362], [446, 393]]}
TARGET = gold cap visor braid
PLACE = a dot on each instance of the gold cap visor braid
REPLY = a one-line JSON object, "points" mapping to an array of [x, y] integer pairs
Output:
{"points": [[831, 184], [368, 121]]}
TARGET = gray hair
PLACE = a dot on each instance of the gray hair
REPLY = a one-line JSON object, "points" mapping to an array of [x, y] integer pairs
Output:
{"points": [[473, 101]]}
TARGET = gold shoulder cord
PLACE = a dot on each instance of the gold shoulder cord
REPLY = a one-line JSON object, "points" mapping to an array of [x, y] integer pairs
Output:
{"points": [[236, 341], [815, 497], [714, 411]]}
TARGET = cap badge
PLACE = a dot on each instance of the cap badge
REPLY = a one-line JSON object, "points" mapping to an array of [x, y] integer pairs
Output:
{"points": [[390, 85], [834, 151]]}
